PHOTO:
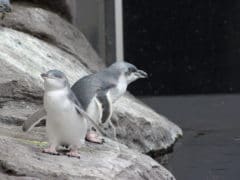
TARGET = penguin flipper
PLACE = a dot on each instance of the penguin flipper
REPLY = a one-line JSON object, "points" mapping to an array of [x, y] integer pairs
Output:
{"points": [[105, 100], [34, 119], [82, 113]]}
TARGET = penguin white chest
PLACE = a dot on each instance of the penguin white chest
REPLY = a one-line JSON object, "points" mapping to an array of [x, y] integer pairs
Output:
{"points": [[63, 121], [56, 100], [120, 89]]}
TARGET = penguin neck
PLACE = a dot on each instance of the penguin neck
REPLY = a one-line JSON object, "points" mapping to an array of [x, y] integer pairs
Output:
{"points": [[63, 90], [120, 88], [55, 100]]}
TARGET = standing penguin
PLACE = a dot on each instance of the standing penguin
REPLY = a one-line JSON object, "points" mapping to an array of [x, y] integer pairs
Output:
{"points": [[5, 7], [97, 93], [66, 122]]}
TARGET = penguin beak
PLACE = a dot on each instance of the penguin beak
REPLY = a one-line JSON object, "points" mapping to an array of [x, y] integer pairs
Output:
{"points": [[1, 8], [44, 75], [141, 74], [8, 9], [5, 8]]}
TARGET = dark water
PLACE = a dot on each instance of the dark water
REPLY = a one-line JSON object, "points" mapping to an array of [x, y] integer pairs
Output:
{"points": [[210, 148]]}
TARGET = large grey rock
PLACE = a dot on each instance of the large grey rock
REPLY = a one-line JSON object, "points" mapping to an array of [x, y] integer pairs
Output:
{"points": [[33, 41], [21, 157], [51, 28], [139, 127], [24, 57], [61, 7]]}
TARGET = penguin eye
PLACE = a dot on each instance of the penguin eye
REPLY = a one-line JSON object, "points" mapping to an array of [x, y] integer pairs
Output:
{"points": [[132, 69], [58, 76]]}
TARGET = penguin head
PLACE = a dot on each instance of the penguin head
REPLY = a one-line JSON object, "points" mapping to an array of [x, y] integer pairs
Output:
{"points": [[129, 71], [5, 6], [54, 80]]}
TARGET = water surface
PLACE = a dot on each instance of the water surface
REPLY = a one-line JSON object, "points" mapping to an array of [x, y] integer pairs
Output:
{"points": [[210, 148]]}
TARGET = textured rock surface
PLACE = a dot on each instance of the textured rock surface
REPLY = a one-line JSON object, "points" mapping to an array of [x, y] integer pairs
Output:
{"points": [[138, 126], [21, 157], [58, 6], [20, 153], [53, 29], [141, 128], [33, 41]]}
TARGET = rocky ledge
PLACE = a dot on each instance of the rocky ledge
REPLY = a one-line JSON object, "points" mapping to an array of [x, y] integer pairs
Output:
{"points": [[29, 46], [21, 158]]}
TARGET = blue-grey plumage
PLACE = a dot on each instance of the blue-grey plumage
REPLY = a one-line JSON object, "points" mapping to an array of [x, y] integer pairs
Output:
{"points": [[66, 121], [62, 82], [5, 7], [34, 119], [97, 92], [87, 87], [113, 80]]}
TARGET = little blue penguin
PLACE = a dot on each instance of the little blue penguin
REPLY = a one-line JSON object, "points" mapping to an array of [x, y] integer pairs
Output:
{"points": [[66, 121], [5, 7], [97, 93]]}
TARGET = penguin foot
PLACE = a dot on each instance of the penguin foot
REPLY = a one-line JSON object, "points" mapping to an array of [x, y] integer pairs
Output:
{"points": [[73, 154], [94, 138], [50, 151]]}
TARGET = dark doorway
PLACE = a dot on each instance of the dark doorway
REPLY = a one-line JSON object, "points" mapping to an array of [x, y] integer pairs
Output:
{"points": [[187, 47]]}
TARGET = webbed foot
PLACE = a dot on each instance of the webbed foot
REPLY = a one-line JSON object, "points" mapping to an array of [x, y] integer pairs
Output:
{"points": [[93, 137], [51, 150], [73, 153]]}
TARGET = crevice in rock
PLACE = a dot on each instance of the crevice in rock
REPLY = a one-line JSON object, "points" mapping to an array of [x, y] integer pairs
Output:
{"points": [[58, 6], [18, 91], [158, 153], [8, 170], [11, 120], [161, 156]]}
